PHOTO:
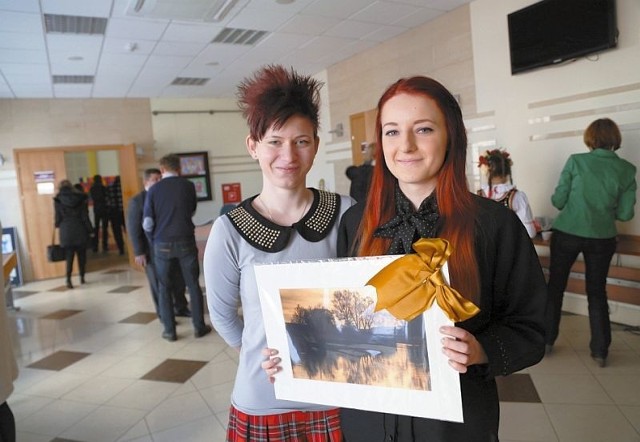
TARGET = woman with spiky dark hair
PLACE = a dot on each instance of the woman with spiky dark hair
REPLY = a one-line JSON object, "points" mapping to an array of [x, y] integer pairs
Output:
{"points": [[286, 221]]}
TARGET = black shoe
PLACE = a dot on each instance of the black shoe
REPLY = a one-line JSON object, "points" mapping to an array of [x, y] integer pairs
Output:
{"points": [[602, 362], [69, 285], [184, 313], [202, 332], [171, 337], [82, 280]]}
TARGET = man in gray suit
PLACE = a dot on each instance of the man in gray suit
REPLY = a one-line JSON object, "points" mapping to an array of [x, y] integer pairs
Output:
{"points": [[142, 249]]}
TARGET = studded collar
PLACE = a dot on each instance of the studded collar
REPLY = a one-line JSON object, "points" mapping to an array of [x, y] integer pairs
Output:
{"points": [[265, 235]]}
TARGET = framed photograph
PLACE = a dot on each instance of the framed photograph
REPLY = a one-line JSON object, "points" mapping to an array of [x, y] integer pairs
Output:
{"points": [[337, 351], [195, 167]]}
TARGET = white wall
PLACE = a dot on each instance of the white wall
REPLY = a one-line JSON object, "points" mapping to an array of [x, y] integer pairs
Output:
{"points": [[540, 115]]}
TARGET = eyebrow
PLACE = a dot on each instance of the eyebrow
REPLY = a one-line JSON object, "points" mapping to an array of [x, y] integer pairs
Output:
{"points": [[424, 120]]}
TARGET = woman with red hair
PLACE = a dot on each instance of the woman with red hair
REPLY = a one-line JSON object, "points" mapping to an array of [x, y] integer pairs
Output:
{"points": [[419, 190]]}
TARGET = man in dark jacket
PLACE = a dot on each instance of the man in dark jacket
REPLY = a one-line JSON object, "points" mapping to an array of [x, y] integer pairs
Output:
{"points": [[168, 209], [98, 194], [142, 249]]}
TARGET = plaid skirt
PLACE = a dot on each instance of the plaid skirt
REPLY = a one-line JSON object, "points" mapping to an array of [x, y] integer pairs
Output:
{"points": [[296, 426]]}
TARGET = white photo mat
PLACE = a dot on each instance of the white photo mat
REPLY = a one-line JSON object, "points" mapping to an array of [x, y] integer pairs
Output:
{"points": [[441, 401]]}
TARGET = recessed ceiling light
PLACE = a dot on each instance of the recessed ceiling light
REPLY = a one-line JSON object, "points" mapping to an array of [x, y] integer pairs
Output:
{"points": [[213, 63], [75, 58], [284, 2]]}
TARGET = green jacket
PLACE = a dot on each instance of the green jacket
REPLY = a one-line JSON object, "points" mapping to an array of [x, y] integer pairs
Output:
{"points": [[595, 189]]}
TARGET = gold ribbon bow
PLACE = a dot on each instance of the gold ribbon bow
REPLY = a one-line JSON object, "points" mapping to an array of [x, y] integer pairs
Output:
{"points": [[408, 286]]}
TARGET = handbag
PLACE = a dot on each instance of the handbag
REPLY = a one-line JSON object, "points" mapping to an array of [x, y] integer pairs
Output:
{"points": [[55, 252]]}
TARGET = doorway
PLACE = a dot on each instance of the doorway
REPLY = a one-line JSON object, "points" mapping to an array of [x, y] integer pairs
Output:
{"points": [[34, 166]]}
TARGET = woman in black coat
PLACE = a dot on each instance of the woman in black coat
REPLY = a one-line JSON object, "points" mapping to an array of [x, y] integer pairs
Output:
{"points": [[72, 218]]}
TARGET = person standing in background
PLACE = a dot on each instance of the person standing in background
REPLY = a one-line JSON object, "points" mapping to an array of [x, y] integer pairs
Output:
{"points": [[595, 189], [8, 373], [115, 212], [143, 252], [98, 194], [168, 210], [360, 176], [72, 218], [496, 164]]}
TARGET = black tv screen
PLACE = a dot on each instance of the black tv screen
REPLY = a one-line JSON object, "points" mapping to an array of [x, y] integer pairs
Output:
{"points": [[553, 31]]}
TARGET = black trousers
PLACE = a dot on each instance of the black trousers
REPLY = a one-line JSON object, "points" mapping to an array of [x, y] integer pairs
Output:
{"points": [[70, 252], [7, 424], [101, 223]]}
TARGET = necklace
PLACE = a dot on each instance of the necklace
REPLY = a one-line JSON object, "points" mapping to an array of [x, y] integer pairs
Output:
{"points": [[270, 216]]}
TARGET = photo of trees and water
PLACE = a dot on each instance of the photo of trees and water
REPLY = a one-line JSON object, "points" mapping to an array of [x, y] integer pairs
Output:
{"points": [[334, 335]]}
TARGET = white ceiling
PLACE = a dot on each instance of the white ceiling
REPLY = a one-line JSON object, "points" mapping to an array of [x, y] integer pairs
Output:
{"points": [[310, 35]]}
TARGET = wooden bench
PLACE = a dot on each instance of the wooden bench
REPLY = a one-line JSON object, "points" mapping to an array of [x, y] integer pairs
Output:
{"points": [[623, 283]]}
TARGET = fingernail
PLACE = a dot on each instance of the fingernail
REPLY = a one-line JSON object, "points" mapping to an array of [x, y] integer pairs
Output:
{"points": [[276, 360]]}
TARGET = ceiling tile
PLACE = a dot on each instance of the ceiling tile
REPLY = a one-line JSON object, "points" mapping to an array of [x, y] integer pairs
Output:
{"points": [[26, 73], [259, 20], [336, 8], [321, 46], [352, 29], [22, 56], [419, 17], [20, 22], [122, 61], [309, 24], [70, 43], [136, 28], [384, 12], [191, 32], [383, 33], [72, 90], [32, 91], [20, 5], [87, 66], [21, 40], [178, 48], [168, 62], [121, 46], [84, 8]]}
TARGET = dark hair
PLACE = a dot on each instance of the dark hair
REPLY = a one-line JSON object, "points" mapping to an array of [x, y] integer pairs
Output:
{"points": [[498, 163], [97, 179], [455, 202], [151, 171], [275, 94], [603, 134], [65, 183], [171, 162]]}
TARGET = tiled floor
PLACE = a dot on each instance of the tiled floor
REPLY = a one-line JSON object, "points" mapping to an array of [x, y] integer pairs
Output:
{"points": [[93, 367]]}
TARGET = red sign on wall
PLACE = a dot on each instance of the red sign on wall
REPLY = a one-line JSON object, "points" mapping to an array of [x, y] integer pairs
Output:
{"points": [[231, 193]]}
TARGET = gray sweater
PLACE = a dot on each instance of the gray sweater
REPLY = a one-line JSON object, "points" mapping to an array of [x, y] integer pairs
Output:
{"points": [[230, 283]]}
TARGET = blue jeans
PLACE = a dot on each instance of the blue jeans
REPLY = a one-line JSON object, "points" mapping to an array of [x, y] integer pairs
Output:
{"points": [[186, 255], [597, 257]]}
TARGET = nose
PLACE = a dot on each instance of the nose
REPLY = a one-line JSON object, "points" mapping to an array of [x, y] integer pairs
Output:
{"points": [[407, 142], [289, 150]]}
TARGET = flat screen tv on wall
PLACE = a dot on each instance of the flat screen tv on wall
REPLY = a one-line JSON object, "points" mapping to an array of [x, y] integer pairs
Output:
{"points": [[554, 31]]}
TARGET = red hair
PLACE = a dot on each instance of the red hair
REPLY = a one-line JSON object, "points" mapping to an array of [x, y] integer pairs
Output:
{"points": [[455, 202]]}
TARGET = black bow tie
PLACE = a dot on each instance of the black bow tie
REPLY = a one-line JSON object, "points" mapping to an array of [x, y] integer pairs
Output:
{"points": [[409, 225]]}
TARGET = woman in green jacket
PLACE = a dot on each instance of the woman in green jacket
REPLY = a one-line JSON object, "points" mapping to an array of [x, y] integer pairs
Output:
{"points": [[595, 189]]}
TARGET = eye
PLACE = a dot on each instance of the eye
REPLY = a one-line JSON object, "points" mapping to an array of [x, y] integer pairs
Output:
{"points": [[391, 133], [424, 130], [303, 142], [274, 142]]}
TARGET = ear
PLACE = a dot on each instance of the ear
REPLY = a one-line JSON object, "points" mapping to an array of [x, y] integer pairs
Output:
{"points": [[317, 141], [251, 147]]}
